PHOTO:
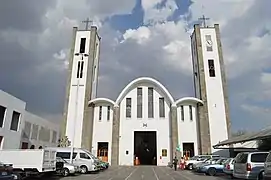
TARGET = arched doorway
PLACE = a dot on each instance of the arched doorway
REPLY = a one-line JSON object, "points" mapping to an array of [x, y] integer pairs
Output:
{"points": [[32, 147]]}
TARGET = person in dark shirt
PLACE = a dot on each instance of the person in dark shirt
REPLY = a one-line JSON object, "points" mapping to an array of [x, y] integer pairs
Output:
{"points": [[175, 162]]}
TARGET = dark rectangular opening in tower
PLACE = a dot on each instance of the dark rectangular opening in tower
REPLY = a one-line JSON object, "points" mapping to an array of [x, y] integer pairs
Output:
{"points": [[82, 45], [145, 147]]}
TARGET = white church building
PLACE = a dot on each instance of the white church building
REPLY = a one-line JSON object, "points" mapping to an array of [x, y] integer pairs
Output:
{"points": [[145, 121]]}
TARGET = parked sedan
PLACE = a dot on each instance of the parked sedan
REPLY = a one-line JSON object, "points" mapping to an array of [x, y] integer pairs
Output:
{"points": [[213, 169], [229, 166], [206, 162]]}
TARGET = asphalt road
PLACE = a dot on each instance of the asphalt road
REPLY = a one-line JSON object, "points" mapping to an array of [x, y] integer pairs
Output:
{"points": [[144, 173]]}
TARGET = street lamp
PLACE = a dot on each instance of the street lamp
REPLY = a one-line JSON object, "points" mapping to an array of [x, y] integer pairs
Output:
{"points": [[75, 112]]}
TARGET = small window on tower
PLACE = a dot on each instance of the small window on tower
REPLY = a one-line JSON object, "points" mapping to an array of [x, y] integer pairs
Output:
{"points": [[78, 68], [211, 68], [81, 69], [100, 113], [82, 45]]}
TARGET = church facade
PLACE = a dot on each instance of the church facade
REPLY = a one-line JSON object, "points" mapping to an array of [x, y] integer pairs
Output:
{"points": [[145, 116]]}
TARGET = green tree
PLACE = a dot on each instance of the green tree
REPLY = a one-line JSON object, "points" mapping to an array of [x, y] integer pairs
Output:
{"points": [[64, 142], [264, 145]]}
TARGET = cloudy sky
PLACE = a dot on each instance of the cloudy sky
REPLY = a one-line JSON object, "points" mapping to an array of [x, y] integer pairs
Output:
{"points": [[139, 38]]}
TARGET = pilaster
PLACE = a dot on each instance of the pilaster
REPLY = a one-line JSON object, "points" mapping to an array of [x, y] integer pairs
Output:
{"points": [[115, 137], [87, 129], [223, 79], [68, 85], [174, 131], [203, 121]]}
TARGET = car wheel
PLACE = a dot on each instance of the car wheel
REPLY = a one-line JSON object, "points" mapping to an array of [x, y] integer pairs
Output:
{"points": [[66, 172], [211, 172], [84, 169], [260, 176], [190, 166]]}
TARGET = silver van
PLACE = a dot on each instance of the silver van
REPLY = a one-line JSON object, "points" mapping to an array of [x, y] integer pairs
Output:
{"points": [[81, 157], [249, 165], [267, 167]]}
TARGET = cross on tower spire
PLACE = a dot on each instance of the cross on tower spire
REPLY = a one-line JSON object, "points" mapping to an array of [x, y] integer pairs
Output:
{"points": [[204, 19], [87, 21]]}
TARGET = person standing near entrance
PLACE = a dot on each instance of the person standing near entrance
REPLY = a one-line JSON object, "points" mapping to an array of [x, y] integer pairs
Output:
{"points": [[175, 162]]}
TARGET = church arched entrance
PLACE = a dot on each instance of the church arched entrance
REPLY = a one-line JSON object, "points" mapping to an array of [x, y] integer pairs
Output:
{"points": [[145, 147]]}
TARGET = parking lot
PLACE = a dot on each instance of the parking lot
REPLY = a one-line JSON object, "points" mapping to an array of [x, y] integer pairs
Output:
{"points": [[145, 173]]}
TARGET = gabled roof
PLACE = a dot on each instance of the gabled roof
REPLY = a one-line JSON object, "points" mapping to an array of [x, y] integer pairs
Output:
{"points": [[263, 134]]}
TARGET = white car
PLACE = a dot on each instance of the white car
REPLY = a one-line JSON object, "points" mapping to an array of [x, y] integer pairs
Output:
{"points": [[197, 159]]}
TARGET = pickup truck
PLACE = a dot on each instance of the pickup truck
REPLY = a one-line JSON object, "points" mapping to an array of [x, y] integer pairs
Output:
{"points": [[30, 162]]}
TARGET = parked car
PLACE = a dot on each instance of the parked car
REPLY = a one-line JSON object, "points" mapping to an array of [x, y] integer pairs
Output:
{"points": [[228, 167], [68, 169], [249, 165], [6, 172], [213, 169], [267, 167], [206, 162], [197, 159], [81, 157]]}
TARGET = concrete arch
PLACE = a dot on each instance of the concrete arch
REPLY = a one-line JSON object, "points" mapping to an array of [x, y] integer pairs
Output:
{"points": [[147, 80], [188, 99], [101, 100]]}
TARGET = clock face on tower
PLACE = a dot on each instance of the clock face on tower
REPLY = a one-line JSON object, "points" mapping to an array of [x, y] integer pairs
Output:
{"points": [[209, 42]]}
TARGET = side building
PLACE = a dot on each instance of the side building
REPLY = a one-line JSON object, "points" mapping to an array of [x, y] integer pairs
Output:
{"points": [[20, 129]]}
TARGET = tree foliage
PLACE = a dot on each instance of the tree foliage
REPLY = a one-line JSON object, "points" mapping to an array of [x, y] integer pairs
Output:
{"points": [[264, 145], [64, 142]]}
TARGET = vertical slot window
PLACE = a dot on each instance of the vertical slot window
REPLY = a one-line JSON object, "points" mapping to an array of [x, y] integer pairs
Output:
{"points": [[150, 102], [139, 102], [82, 45], [190, 112], [108, 113], [128, 107], [162, 107], [182, 113], [100, 113], [78, 69], [211, 66], [2, 115], [81, 69]]}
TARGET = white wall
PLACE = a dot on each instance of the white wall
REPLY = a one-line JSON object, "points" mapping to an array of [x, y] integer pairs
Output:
{"points": [[129, 125], [214, 88], [102, 129], [36, 120], [187, 129], [11, 139], [77, 93]]}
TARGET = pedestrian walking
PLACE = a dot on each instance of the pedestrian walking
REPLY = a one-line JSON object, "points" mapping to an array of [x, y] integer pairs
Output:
{"points": [[175, 162], [182, 163]]}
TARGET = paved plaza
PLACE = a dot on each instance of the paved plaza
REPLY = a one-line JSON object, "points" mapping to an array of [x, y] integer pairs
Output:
{"points": [[144, 173]]}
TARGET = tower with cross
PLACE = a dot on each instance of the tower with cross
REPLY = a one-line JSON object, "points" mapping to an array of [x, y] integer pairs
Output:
{"points": [[210, 85], [81, 85]]}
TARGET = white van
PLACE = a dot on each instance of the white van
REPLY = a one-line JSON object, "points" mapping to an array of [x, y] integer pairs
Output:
{"points": [[81, 157]]}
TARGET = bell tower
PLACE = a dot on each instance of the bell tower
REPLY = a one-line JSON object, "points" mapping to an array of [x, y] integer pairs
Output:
{"points": [[210, 86], [81, 86]]}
